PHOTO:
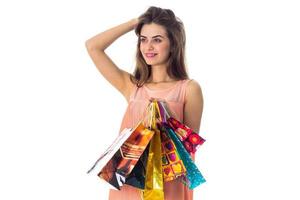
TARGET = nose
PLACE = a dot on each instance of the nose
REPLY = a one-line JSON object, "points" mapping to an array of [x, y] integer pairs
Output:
{"points": [[148, 45]]}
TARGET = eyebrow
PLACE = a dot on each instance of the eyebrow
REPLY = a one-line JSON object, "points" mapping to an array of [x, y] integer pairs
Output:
{"points": [[153, 36]]}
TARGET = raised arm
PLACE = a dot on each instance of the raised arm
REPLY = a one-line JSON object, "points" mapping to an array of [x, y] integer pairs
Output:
{"points": [[96, 46]]}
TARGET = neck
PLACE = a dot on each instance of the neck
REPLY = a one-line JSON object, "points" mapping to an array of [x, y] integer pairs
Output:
{"points": [[159, 74]]}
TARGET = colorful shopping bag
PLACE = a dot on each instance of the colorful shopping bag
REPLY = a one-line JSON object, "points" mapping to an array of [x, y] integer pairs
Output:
{"points": [[137, 176], [194, 176], [156, 150], [172, 165], [119, 160], [110, 151], [190, 139], [154, 177], [123, 162]]}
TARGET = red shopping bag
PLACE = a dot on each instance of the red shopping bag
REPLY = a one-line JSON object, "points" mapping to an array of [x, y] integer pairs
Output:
{"points": [[189, 138]]}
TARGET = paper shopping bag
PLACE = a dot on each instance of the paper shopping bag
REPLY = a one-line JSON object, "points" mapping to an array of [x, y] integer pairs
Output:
{"points": [[110, 151], [172, 165], [124, 160], [137, 176], [193, 175], [190, 139], [120, 158], [154, 177]]}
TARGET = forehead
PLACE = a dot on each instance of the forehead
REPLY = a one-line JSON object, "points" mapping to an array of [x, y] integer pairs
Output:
{"points": [[153, 29]]}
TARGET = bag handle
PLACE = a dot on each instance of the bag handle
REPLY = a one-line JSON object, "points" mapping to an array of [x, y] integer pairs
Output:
{"points": [[156, 110], [150, 115]]}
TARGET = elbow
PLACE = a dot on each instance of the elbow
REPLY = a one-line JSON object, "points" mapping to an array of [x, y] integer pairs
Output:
{"points": [[88, 45], [91, 47]]}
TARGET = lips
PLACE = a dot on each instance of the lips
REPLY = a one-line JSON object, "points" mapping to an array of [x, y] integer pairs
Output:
{"points": [[150, 55]]}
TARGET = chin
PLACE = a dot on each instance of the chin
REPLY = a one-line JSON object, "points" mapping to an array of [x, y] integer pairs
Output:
{"points": [[154, 62], [151, 63]]}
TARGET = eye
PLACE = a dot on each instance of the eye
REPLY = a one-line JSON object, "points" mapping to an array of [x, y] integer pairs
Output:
{"points": [[142, 39], [157, 40]]}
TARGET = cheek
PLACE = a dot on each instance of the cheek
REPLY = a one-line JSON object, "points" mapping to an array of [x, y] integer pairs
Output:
{"points": [[141, 50], [164, 48], [143, 47]]}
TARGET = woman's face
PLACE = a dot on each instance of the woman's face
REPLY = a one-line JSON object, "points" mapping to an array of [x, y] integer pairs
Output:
{"points": [[154, 44]]}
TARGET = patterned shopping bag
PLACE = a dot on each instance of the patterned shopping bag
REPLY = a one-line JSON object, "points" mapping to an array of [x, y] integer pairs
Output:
{"points": [[172, 165], [156, 150], [190, 139], [118, 161], [137, 176], [193, 176]]}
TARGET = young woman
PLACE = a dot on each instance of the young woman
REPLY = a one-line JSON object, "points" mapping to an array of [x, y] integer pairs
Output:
{"points": [[160, 73]]}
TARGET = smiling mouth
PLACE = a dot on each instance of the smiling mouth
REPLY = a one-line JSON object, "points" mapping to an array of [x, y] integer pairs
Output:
{"points": [[150, 55]]}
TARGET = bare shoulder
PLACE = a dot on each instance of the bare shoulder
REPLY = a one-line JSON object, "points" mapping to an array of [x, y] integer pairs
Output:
{"points": [[193, 91]]}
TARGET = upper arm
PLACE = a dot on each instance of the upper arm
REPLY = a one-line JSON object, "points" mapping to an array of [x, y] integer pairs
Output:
{"points": [[119, 78], [193, 106]]}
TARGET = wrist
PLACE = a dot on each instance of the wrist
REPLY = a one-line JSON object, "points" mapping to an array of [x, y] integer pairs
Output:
{"points": [[134, 22]]}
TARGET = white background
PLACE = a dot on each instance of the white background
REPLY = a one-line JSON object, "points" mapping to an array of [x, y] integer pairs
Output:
{"points": [[57, 113]]}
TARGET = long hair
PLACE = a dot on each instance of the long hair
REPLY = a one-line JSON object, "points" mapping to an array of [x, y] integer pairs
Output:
{"points": [[176, 67]]}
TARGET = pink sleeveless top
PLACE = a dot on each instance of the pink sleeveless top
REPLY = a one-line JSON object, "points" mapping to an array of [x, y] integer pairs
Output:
{"points": [[139, 99]]}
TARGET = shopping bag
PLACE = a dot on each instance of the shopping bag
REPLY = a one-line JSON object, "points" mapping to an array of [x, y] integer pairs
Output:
{"points": [[193, 175], [124, 160], [154, 177], [119, 159], [110, 151], [190, 139], [151, 153], [172, 165], [137, 176]]}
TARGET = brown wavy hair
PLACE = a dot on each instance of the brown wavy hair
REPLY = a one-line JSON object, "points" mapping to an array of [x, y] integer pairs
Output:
{"points": [[176, 67]]}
